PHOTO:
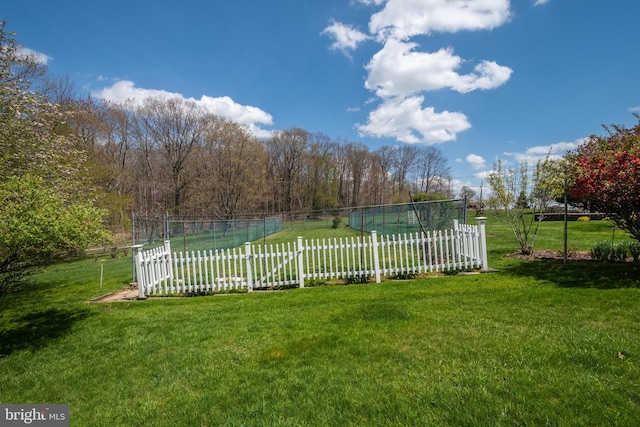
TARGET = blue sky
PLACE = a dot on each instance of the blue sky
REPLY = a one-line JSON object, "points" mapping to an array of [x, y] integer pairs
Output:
{"points": [[482, 79]]}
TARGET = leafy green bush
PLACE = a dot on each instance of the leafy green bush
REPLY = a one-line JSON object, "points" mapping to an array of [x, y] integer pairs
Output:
{"points": [[357, 280], [39, 225], [191, 294], [336, 222], [634, 251], [616, 252], [403, 276], [284, 287], [602, 251], [619, 253]]}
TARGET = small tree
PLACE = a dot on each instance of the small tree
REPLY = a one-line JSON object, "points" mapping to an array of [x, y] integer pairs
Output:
{"points": [[519, 198], [37, 226], [428, 197], [467, 192], [45, 206], [607, 175]]}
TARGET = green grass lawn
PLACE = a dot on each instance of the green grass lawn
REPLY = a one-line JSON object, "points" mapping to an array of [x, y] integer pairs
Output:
{"points": [[535, 343]]}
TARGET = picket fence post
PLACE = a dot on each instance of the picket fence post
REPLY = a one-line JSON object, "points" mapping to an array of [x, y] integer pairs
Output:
{"points": [[376, 257], [247, 250], [139, 276], [300, 262], [167, 260], [483, 241]]}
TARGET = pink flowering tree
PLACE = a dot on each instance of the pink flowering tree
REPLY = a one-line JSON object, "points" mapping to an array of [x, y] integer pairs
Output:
{"points": [[607, 176]]}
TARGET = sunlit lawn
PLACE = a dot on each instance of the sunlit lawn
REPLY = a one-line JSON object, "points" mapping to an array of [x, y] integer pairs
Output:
{"points": [[536, 343]]}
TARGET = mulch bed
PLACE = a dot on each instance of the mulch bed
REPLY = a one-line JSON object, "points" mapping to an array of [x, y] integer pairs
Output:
{"points": [[557, 255]]}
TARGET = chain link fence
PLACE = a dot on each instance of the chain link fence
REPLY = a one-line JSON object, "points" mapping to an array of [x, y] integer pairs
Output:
{"points": [[199, 234], [409, 217], [193, 234]]}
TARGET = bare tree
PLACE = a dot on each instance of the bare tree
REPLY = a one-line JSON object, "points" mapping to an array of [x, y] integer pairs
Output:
{"points": [[230, 170], [358, 161], [520, 197], [285, 152], [104, 132], [320, 175], [174, 127], [379, 176], [432, 171], [467, 192], [59, 90], [148, 191], [405, 157]]}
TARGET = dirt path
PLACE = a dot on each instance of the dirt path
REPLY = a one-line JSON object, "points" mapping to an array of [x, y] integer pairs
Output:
{"points": [[127, 294]]}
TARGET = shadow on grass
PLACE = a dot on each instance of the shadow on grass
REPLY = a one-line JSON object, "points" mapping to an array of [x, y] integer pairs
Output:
{"points": [[579, 274], [35, 330]]}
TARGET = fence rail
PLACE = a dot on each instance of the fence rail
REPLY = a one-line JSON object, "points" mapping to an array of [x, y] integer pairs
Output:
{"points": [[254, 266]]}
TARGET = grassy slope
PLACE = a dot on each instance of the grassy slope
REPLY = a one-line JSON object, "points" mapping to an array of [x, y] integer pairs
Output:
{"points": [[535, 343]]}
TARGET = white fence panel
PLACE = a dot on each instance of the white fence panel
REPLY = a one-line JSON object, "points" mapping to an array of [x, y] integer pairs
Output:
{"points": [[160, 272], [274, 266], [338, 259]]}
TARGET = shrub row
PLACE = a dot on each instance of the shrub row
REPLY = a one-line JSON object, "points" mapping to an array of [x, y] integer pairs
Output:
{"points": [[617, 252]]}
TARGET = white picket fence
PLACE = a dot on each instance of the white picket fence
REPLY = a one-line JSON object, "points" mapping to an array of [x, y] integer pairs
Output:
{"points": [[255, 266]]}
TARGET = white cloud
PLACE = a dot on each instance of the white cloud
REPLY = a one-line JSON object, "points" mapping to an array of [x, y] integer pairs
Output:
{"points": [[346, 37], [476, 162], [25, 52], [483, 174], [399, 73], [403, 19], [488, 75], [374, 2], [399, 70], [539, 2], [406, 121], [125, 90], [540, 152], [634, 109], [227, 107], [252, 117], [102, 78], [457, 184]]}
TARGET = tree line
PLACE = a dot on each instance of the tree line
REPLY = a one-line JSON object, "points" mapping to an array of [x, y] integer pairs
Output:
{"points": [[164, 154], [170, 154]]}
